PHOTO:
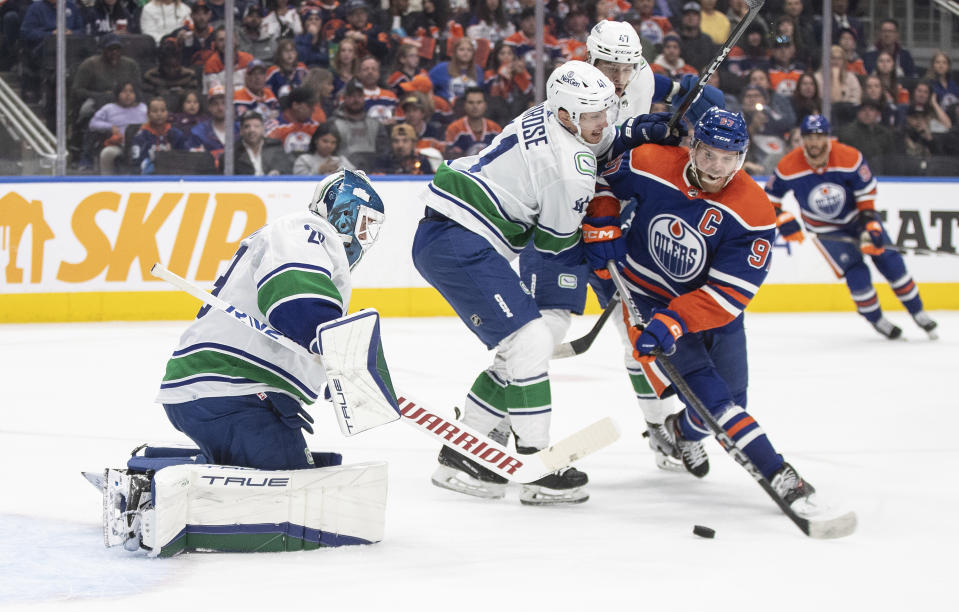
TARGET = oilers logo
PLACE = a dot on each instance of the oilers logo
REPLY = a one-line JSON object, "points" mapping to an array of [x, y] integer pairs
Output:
{"points": [[827, 200], [679, 249]]}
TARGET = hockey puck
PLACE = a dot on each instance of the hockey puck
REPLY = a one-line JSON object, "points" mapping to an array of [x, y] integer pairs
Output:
{"points": [[704, 532]]}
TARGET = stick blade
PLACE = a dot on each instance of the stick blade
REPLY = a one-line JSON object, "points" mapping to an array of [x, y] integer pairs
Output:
{"points": [[584, 442], [562, 351], [829, 529]]}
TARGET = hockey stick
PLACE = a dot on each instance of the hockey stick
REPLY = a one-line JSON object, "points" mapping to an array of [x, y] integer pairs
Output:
{"points": [[892, 247], [580, 345], [457, 436], [707, 72], [823, 529]]}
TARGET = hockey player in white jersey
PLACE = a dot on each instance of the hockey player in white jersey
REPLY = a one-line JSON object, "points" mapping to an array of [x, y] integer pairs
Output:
{"points": [[240, 398], [615, 49], [529, 186]]}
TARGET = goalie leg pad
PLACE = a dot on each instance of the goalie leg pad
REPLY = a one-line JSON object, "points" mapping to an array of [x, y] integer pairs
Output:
{"points": [[229, 509]]}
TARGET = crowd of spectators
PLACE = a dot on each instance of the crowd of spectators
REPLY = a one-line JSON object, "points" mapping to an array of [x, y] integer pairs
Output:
{"points": [[396, 86]]}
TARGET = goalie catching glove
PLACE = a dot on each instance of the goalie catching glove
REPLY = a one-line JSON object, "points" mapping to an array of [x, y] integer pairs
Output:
{"points": [[604, 242], [662, 332]]}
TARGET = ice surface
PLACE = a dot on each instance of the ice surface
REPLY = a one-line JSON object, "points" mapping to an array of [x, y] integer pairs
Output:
{"points": [[871, 423]]}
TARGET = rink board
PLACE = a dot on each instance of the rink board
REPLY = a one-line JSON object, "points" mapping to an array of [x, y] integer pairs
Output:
{"points": [[81, 250]]}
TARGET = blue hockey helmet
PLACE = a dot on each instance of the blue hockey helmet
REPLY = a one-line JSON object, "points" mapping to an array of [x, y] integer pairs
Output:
{"points": [[814, 124], [722, 129], [348, 201]]}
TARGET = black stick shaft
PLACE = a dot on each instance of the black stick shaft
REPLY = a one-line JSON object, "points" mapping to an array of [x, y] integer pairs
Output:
{"points": [[713, 66]]}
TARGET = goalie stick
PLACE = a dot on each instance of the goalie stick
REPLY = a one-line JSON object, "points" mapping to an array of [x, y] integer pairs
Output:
{"points": [[892, 247], [456, 435], [580, 345], [827, 528], [712, 67]]}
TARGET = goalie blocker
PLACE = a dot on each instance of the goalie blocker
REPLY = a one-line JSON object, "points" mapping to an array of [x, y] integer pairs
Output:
{"points": [[168, 501]]}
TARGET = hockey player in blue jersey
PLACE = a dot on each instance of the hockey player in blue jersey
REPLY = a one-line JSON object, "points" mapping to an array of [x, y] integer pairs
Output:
{"points": [[560, 289], [836, 193], [529, 186], [696, 254]]}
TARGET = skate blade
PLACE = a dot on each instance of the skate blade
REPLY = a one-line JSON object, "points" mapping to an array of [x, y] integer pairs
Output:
{"points": [[97, 479], [452, 479], [668, 464], [541, 496]]}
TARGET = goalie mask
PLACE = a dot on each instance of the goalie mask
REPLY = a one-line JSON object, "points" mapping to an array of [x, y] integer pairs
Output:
{"points": [[348, 201]]}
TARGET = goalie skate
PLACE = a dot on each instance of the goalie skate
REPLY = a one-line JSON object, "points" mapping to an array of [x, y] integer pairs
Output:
{"points": [[458, 473], [126, 501]]}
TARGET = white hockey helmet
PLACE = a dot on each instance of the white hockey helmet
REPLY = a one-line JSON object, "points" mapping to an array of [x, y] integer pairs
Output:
{"points": [[614, 41], [348, 201], [579, 88]]}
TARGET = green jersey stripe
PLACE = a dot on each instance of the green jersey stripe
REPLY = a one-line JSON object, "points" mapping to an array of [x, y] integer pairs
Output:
{"points": [[296, 282], [208, 362], [459, 185], [544, 241]]}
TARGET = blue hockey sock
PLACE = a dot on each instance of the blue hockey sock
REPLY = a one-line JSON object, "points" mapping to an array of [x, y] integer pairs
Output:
{"points": [[750, 437], [863, 293]]}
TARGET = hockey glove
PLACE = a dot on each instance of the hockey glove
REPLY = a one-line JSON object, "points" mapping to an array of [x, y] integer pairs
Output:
{"points": [[705, 100], [291, 412], [788, 226], [662, 332], [646, 129], [871, 237], [604, 241]]}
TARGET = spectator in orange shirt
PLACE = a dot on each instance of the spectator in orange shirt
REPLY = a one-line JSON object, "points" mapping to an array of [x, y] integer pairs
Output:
{"points": [[407, 66], [442, 110], [472, 132], [256, 96], [854, 64], [213, 69], [653, 28], [784, 70], [295, 127], [669, 62], [507, 83]]}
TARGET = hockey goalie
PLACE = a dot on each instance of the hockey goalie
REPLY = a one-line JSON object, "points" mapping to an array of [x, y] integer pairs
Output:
{"points": [[251, 483]]}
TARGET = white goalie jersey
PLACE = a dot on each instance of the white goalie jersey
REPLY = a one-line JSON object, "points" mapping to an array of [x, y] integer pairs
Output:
{"points": [[532, 183], [285, 274]]}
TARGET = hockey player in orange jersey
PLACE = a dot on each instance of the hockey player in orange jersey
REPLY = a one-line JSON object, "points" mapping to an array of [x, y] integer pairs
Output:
{"points": [[836, 192], [696, 253]]}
